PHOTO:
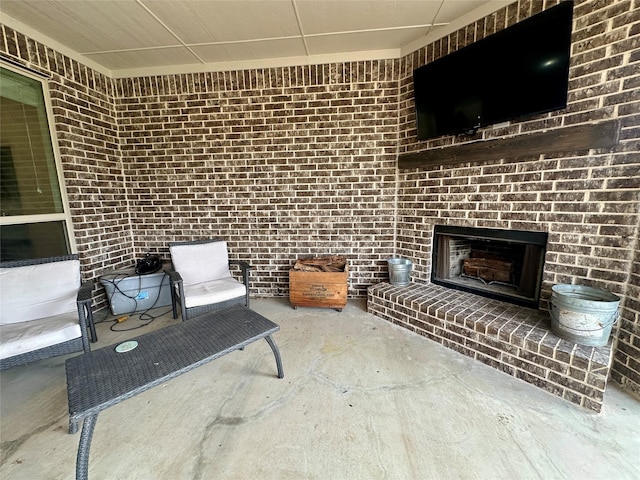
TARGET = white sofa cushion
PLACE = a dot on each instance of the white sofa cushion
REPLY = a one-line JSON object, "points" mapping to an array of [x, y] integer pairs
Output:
{"points": [[203, 262], [206, 293], [38, 291], [33, 335]]}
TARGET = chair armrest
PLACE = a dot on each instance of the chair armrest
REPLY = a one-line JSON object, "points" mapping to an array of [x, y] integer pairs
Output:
{"points": [[85, 314], [243, 265], [246, 269], [85, 292], [174, 277]]}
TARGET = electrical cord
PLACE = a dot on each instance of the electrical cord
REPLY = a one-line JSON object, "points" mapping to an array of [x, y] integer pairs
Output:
{"points": [[142, 316], [116, 289]]}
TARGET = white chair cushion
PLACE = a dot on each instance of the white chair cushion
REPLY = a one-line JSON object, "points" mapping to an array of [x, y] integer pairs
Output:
{"points": [[38, 291], [201, 262], [213, 292], [33, 335]]}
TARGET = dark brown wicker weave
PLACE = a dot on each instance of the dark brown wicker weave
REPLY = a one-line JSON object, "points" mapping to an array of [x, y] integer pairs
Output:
{"points": [[85, 319], [103, 378], [177, 288]]}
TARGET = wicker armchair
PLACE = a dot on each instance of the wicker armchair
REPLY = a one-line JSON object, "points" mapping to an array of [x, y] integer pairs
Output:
{"points": [[201, 279], [45, 310]]}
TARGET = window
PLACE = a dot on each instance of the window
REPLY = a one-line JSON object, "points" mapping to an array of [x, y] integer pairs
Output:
{"points": [[34, 221]]}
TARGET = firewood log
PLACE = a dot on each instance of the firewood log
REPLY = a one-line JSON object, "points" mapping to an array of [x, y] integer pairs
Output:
{"points": [[321, 264]]}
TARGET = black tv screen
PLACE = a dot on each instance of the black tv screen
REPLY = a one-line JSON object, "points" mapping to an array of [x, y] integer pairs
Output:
{"points": [[521, 70]]}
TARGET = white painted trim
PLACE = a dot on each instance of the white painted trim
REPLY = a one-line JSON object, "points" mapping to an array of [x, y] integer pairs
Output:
{"points": [[26, 219], [58, 161]]}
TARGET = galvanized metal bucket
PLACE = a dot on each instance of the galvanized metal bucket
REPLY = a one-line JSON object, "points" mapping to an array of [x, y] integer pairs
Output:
{"points": [[399, 271], [583, 315]]}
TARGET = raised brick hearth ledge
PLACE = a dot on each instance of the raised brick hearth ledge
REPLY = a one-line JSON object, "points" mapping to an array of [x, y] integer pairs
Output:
{"points": [[515, 340]]}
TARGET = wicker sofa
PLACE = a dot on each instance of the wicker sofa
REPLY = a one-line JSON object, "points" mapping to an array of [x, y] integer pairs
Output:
{"points": [[45, 309]]}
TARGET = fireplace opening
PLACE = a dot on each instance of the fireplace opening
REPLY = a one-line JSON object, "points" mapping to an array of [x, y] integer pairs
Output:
{"points": [[502, 264]]}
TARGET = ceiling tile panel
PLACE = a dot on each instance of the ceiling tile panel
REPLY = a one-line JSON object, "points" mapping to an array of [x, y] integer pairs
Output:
{"points": [[223, 20], [360, 42], [160, 57], [250, 51], [453, 9], [89, 26], [348, 15]]}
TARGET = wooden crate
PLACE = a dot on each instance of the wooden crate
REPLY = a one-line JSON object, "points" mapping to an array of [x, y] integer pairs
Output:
{"points": [[318, 289]]}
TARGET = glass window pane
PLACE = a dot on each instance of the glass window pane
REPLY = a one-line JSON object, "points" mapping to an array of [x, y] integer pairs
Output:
{"points": [[33, 240], [29, 181]]}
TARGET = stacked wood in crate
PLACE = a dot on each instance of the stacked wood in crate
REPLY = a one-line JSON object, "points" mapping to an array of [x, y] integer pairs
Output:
{"points": [[321, 264], [319, 282]]}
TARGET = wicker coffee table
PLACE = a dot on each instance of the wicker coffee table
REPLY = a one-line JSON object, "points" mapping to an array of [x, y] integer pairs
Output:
{"points": [[105, 377]]}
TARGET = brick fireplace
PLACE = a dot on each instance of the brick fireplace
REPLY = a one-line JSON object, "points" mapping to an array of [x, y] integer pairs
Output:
{"points": [[563, 196], [498, 327], [546, 174], [500, 321]]}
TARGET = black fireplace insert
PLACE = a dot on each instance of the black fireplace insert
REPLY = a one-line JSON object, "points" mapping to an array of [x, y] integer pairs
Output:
{"points": [[502, 264]]}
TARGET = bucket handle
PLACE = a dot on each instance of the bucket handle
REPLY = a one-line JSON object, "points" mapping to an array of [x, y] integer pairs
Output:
{"points": [[615, 316]]}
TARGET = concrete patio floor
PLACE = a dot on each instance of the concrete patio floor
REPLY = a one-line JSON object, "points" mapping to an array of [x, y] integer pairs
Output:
{"points": [[361, 399]]}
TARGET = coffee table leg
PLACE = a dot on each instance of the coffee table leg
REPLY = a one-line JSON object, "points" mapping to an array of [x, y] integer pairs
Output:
{"points": [[82, 461], [276, 353]]}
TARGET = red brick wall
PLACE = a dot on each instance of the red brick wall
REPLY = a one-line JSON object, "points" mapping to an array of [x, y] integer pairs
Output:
{"points": [[283, 163]]}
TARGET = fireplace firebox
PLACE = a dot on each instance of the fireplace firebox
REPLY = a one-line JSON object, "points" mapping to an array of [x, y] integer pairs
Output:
{"points": [[503, 264]]}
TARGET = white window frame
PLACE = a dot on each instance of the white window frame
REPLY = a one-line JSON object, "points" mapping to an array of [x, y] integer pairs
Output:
{"points": [[65, 215]]}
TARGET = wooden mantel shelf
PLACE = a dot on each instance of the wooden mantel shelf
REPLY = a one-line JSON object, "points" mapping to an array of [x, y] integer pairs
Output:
{"points": [[579, 137]]}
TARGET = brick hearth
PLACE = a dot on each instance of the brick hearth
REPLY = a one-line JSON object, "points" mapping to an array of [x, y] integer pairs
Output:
{"points": [[513, 339]]}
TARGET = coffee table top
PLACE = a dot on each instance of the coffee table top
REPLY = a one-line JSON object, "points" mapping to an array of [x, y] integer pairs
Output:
{"points": [[104, 377]]}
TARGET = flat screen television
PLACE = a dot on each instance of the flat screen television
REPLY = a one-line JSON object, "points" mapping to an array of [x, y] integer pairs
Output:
{"points": [[519, 71]]}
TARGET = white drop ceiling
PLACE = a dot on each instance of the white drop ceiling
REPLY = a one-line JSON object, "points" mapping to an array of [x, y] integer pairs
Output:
{"points": [[142, 37]]}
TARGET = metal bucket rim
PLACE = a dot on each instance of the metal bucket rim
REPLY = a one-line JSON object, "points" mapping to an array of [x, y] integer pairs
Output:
{"points": [[399, 261], [590, 294]]}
